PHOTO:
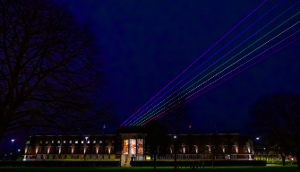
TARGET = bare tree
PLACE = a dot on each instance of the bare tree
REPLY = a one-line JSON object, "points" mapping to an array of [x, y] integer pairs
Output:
{"points": [[158, 138], [176, 117], [50, 69], [278, 118]]}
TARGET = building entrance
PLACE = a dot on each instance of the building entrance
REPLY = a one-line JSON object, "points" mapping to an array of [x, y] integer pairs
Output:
{"points": [[133, 150]]}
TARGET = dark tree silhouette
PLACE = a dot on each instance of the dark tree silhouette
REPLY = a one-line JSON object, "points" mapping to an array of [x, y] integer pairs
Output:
{"points": [[271, 145], [177, 115], [277, 117], [215, 142], [158, 138], [50, 69]]}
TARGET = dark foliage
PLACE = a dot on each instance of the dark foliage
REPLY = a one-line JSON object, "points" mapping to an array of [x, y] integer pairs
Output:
{"points": [[50, 75], [277, 118]]}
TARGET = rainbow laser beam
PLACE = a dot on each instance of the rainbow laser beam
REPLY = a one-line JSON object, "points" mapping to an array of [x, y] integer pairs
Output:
{"points": [[223, 75], [225, 68], [162, 114], [137, 115], [195, 61], [221, 58]]}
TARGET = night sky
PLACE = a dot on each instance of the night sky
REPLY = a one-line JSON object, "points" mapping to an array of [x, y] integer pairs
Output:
{"points": [[148, 43]]}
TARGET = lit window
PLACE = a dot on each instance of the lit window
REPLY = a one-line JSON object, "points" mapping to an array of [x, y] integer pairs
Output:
{"points": [[58, 141], [52, 141], [76, 142], [39, 149], [94, 141], [29, 149], [46, 141], [125, 147], [41, 141], [100, 141], [82, 141], [70, 141], [88, 141], [233, 149], [64, 141], [140, 146], [112, 149], [245, 148]]}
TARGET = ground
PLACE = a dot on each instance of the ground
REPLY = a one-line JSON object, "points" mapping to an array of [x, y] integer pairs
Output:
{"points": [[148, 169]]}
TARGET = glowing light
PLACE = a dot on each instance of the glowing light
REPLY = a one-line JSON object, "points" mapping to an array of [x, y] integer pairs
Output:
{"points": [[163, 113], [195, 61], [257, 138], [12, 140], [229, 59]]}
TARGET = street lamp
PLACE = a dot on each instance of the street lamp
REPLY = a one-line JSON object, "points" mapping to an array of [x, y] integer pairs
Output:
{"points": [[10, 154], [175, 151], [257, 138]]}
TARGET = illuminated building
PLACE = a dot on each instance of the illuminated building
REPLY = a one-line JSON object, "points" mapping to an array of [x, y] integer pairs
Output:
{"points": [[134, 145]]}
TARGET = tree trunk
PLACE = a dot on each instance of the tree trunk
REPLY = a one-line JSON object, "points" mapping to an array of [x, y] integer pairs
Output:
{"points": [[283, 158], [175, 158], [2, 130], [298, 160], [213, 160], [154, 164], [1, 134]]}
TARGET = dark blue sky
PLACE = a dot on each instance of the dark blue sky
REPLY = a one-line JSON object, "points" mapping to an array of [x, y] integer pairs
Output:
{"points": [[148, 43]]}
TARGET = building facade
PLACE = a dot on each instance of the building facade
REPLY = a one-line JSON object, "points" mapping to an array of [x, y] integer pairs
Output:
{"points": [[72, 147], [136, 145]]}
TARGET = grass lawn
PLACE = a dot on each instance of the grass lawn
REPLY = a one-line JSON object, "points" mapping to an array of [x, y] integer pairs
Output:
{"points": [[148, 169]]}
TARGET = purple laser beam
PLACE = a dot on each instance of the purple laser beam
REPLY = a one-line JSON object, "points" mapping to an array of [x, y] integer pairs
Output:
{"points": [[195, 61], [131, 121], [233, 75]]}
